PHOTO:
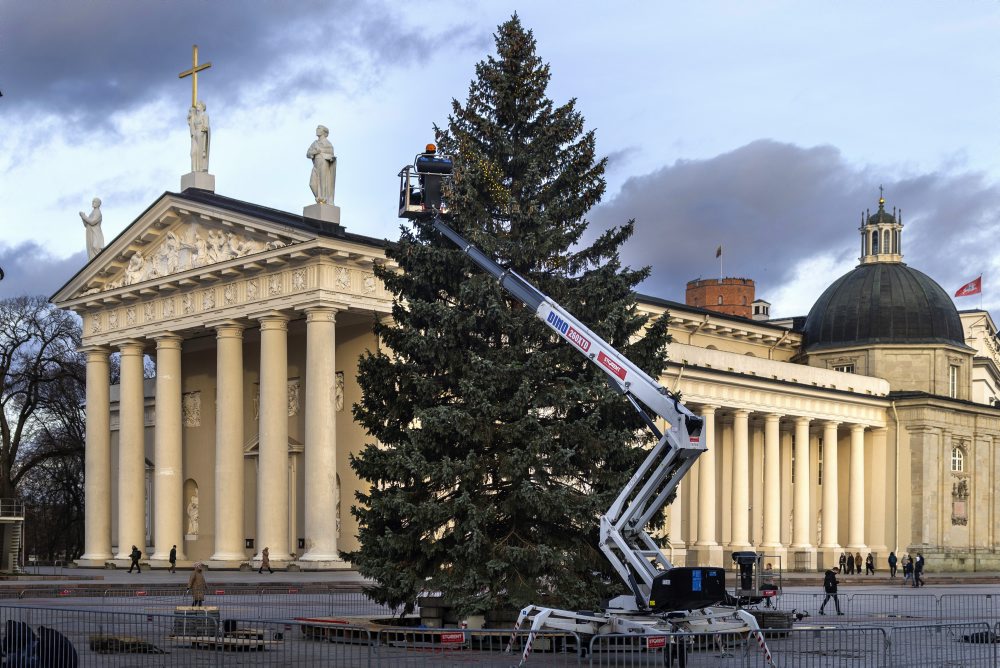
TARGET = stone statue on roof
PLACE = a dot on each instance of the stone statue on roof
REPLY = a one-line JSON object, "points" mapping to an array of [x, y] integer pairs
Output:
{"points": [[95, 238], [324, 173], [201, 137]]}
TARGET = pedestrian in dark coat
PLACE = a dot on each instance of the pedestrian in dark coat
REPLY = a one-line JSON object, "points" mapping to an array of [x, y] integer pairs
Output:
{"points": [[173, 559], [892, 564], [830, 587], [135, 555], [857, 562], [907, 568], [869, 564], [265, 561], [918, 571], [843, 562], [197, 585], [850, 564]]}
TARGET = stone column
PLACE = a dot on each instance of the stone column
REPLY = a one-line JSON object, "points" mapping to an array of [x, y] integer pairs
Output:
{"points": [[321, 436], [272, 472], [805, 554], [131, 452], [740, 534], [879, 508], [229, 546], [830, 544], [856, 495], [97, 458], [707, 551], [772, 483], [168, 477]]}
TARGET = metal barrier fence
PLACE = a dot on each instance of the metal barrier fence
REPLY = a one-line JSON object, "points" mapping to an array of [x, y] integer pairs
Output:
{"points": [[968, 645], [890, 609], [49, 636]]}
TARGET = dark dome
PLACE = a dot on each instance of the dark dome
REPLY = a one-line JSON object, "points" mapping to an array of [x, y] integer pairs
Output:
{"points": [[883, 302]]}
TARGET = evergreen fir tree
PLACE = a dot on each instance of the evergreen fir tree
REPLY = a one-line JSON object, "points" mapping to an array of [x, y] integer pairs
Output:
{"points": [[499, 445]]}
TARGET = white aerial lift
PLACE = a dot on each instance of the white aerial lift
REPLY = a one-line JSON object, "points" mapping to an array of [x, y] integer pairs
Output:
{"points": [[663, 598]]}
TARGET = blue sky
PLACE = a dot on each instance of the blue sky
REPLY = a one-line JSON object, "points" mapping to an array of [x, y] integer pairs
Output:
{"points": [[766, 127]]}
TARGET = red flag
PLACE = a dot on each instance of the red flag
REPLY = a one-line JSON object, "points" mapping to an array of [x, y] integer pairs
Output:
{"points": [[971, 288]]}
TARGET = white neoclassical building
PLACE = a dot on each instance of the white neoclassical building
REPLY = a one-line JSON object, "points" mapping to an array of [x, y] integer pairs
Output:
{"points": [[869, 425]]}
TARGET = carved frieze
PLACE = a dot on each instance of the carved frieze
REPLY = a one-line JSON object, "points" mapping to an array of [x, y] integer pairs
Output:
{"points": [[299, 279], [368, 283], [187, 303], [208, 299], [273, 285], [195, 246], [167, 308], [130, 316], [229, 294], [148, 312], [343, 278], [95, 323], [253, 289], [112, 319]]}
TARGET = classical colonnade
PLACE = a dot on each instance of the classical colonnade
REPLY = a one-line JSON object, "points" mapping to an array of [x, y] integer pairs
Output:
{"points": [[320, 451], [703, 538]]}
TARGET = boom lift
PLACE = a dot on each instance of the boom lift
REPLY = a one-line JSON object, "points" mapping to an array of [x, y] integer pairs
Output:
{"points": [[663, 597]]}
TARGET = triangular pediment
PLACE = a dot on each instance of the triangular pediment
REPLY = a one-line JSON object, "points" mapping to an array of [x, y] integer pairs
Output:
{"points": [[176, 238]]}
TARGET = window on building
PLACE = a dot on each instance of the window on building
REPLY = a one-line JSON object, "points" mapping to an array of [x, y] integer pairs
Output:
{"points": [[793, 465], [875, 243], [953, 381], [720, 299], [957, 460], [744, 301], [819, 463], [885, 242], [844, 368], [756, 310]]}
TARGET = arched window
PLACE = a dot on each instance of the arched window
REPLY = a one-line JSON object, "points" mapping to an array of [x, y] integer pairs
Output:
{"points": [[885, 242], [957, 460], [895, 248], [875, 243], [720, 299]]}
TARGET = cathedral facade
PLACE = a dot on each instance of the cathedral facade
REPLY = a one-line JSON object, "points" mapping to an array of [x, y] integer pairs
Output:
{"points": [[869, 426]]}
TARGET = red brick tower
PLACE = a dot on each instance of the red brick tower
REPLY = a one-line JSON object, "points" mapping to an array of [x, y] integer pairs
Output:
{"points": [[732, 296]]}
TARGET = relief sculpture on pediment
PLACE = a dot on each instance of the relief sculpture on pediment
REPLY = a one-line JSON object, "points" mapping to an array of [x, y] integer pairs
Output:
{"points": [[192, 248]]}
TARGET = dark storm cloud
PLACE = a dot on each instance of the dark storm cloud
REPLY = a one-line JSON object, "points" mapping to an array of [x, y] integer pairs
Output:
{"points": [[771, 205], [84, 60], [30, 270]]}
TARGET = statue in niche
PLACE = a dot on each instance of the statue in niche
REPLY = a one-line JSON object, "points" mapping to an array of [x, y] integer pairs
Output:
{"points": [[201, 137], [337, 519], [293, 397], [339, 391], [192, 513], [324, 172], [95, 238]]}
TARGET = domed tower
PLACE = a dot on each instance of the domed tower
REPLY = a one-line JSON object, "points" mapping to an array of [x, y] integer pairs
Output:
{"points": [[889, 320]]}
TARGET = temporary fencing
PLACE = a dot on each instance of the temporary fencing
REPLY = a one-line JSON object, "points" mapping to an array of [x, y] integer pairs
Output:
{"points": [[969, 645], [204, 638]]}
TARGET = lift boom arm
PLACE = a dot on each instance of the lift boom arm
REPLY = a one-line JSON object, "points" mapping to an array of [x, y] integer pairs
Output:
{"points": [[632, 552]]}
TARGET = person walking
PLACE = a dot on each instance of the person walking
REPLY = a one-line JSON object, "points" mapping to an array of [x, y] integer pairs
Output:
{"points": [[869, 564], [265, 561], [857, 562], [135, 555], [892, 565], [197, 586], [173, 559], [918, 571], [850, 564], [907, 569], [830, 587]]}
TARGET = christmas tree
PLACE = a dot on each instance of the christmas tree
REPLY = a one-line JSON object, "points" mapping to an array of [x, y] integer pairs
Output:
{"points": [[498, 444]]}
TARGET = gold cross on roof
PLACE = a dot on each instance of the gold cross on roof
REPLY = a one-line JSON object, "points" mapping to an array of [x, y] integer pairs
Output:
{"points": [[193, 73]]}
